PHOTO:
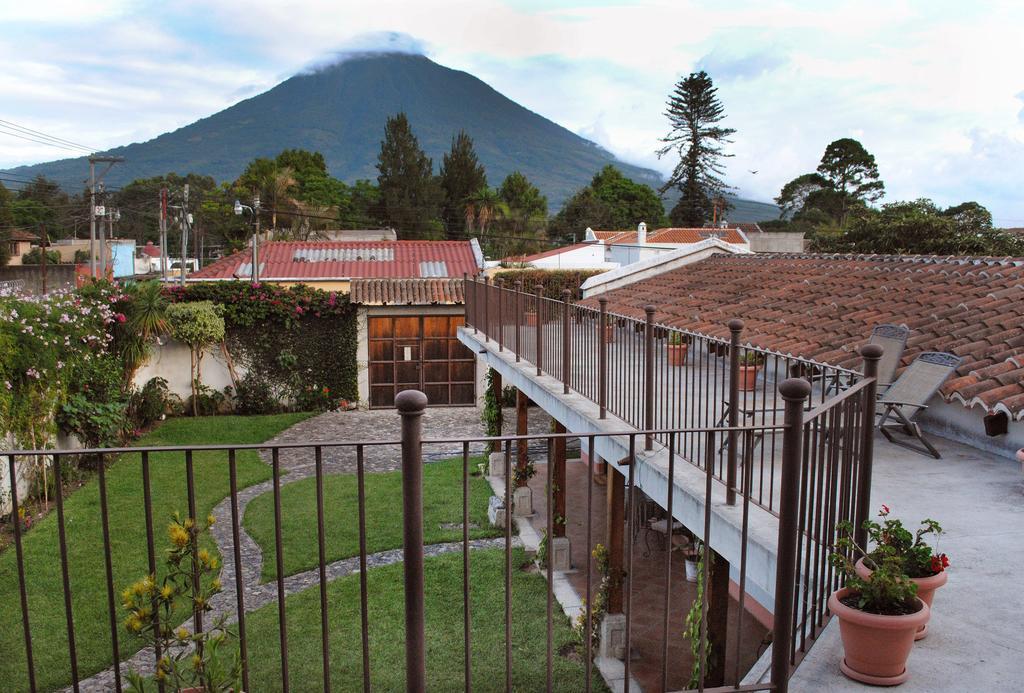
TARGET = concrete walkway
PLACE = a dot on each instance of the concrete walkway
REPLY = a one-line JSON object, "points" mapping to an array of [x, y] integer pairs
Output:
{"points": [[974, 641]]}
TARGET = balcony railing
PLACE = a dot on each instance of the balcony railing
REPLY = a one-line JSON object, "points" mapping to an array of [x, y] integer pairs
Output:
{"points": [[824, 477]]}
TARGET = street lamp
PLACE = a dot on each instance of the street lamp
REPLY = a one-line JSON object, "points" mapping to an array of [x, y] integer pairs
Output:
{"points": [[254, 211]]}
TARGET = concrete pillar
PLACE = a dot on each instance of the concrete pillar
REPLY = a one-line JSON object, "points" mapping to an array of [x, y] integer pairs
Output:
{"points": [[558, 480], [718, 619], [616, 523]]}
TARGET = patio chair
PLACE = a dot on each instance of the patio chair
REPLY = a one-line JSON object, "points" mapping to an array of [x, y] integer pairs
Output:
{"points": [[908, 396], [893, 340]]}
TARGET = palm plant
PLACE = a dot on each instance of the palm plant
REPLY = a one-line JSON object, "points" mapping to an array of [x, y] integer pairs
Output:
{"points": [[147, 321], [488, 206]]}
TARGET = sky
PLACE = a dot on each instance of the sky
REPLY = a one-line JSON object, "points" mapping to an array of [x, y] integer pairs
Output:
{"points": [[934, 89]]}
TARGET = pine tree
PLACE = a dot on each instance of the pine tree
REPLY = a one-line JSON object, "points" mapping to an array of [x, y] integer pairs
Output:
{"points": [[410, 195], [694, 112], [462, 174]]}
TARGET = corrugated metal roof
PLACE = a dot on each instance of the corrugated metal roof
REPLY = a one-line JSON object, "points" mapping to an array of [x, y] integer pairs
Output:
{"points": [[383, 292], [673, 235], [326, 260]]}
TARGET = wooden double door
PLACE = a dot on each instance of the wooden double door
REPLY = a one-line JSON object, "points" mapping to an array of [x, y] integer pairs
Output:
{"points": [[420, 352]]}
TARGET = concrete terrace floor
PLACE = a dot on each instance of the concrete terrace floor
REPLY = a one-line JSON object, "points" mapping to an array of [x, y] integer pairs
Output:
{"points": [[974, 641]]}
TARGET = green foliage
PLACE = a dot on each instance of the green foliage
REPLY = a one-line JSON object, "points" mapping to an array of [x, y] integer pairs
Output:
{"points": [[890, 537], [600, 605], [256, 395], [35, 257], [491, 416], [198, 324], [462, 174], [916, 227], [97, 423], [152, 403], [525, 202], [190, 659], [410, 195], [611, 201], [694, 113], [888, 590], [553, 281], [695, 623], [293, 341], [851, 170]]}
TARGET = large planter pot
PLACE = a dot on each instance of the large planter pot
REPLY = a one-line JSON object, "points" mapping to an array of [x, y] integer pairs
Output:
{"points": [[677, 354], [748, 378], [531, 318], [926, 587], [1020, 458], [876, 647], [609, 333]]}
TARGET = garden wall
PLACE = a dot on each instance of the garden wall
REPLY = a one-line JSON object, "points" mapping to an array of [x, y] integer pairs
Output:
{"points": [[172, 362]]}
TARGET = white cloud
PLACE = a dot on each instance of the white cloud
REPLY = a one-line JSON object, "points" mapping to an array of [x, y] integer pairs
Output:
{"points": [[933, 90]]}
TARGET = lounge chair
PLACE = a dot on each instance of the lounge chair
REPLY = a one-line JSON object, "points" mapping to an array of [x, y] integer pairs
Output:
{"points": [[893, 340], [908, 396]]}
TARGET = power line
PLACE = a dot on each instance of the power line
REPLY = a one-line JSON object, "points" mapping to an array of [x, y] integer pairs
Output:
{"points": [[37, 133], [38, 141]]}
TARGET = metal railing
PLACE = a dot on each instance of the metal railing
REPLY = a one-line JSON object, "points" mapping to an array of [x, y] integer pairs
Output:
{"points": [[654, 376]]}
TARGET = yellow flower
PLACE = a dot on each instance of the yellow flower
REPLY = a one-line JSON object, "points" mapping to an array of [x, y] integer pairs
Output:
{"points": [[166, 592], [133, 624], [197, 661], [204, 556], [178, 535], [189, 523], [210, 519], [215, 584], [181, 634]]}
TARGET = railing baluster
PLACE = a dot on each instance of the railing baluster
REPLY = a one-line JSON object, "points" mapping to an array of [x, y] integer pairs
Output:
{"points": [[628, 594], [243, 643], [589, 661], [282, 618], [109, 569], [519, 317], [708, 564], [539, 328], [147, 506], [566, 373], [364, 611], [499, 289], [322, 555], [411, 405], [22, 593], [466, 621], [649, 376], [508, 555], [550, 523], [735, 328], [871, 353], [487, 310], [669, 524], [58, 484]]}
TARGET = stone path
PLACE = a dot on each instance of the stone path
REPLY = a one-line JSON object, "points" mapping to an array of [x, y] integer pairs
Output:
{"points": [[298, 464]]}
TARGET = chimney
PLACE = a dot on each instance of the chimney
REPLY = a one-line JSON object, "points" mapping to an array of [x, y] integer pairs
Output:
{"points": [[641, 234]]}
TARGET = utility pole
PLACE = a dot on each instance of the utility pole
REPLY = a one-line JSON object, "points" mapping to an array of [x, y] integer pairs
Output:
{"points": [[163, 234], [42, 254], [93, 180], [184, 231], [256, 241]]}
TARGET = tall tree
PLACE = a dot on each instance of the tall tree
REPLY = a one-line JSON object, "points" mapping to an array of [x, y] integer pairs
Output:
{"points": [[410, 194], [462, 175], [584, 209], [794, 195], [487, 207], [629, 203], [694, 113], [851, 170], [527, 208], [970, 216]]}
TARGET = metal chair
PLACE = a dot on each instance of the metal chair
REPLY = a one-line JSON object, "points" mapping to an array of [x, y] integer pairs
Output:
{"points": [[893, 340], [908, 396]]}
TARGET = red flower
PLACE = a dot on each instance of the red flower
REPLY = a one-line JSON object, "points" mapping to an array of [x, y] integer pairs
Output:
{"points": [[885, 509], [120, 317]]}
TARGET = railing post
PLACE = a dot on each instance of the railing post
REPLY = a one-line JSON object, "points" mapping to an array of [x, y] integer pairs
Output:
{"points": [[538, 291], [649, 376], [487, 309], [499, 285], [871, 353], [519, 315], [566, 373], [602, 358], [795, 392], [475, 309], [735, 328], [410, 405]]}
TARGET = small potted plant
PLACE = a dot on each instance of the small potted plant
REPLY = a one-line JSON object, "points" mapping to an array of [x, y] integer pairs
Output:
{"points": [[923, 565], [691, 558], [678, 344], [191, 662], [878, 617], [531, 317], [750, 365]]}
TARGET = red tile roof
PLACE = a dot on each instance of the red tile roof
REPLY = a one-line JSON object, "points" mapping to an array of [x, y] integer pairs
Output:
{"points": [[672, 235], [19, 235], [824, 306], [418, 292], [150, 250], [326, 260]]}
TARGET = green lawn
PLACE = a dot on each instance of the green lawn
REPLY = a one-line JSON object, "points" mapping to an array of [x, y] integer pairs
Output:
{"points": [[442, 504], [128, 543], [444, 620]]}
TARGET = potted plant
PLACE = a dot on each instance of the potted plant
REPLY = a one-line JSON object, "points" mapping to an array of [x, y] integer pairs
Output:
{"points": [[189, 662], [878, 617], [678, 344], [922, 564], [531, 317], [691, 559], [750, 365]]}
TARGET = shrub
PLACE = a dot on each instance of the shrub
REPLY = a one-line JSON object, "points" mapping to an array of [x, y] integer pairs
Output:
{"points": [[255, 395], [151, 403], [207, 402], [553, 281]]}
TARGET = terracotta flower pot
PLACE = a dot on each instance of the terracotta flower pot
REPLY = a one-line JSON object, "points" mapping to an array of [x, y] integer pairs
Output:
{"points": [[748, 378], [876, 647], [926, 587], [1020, 458], [677, 354], [609, 333], [531, 318]]}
